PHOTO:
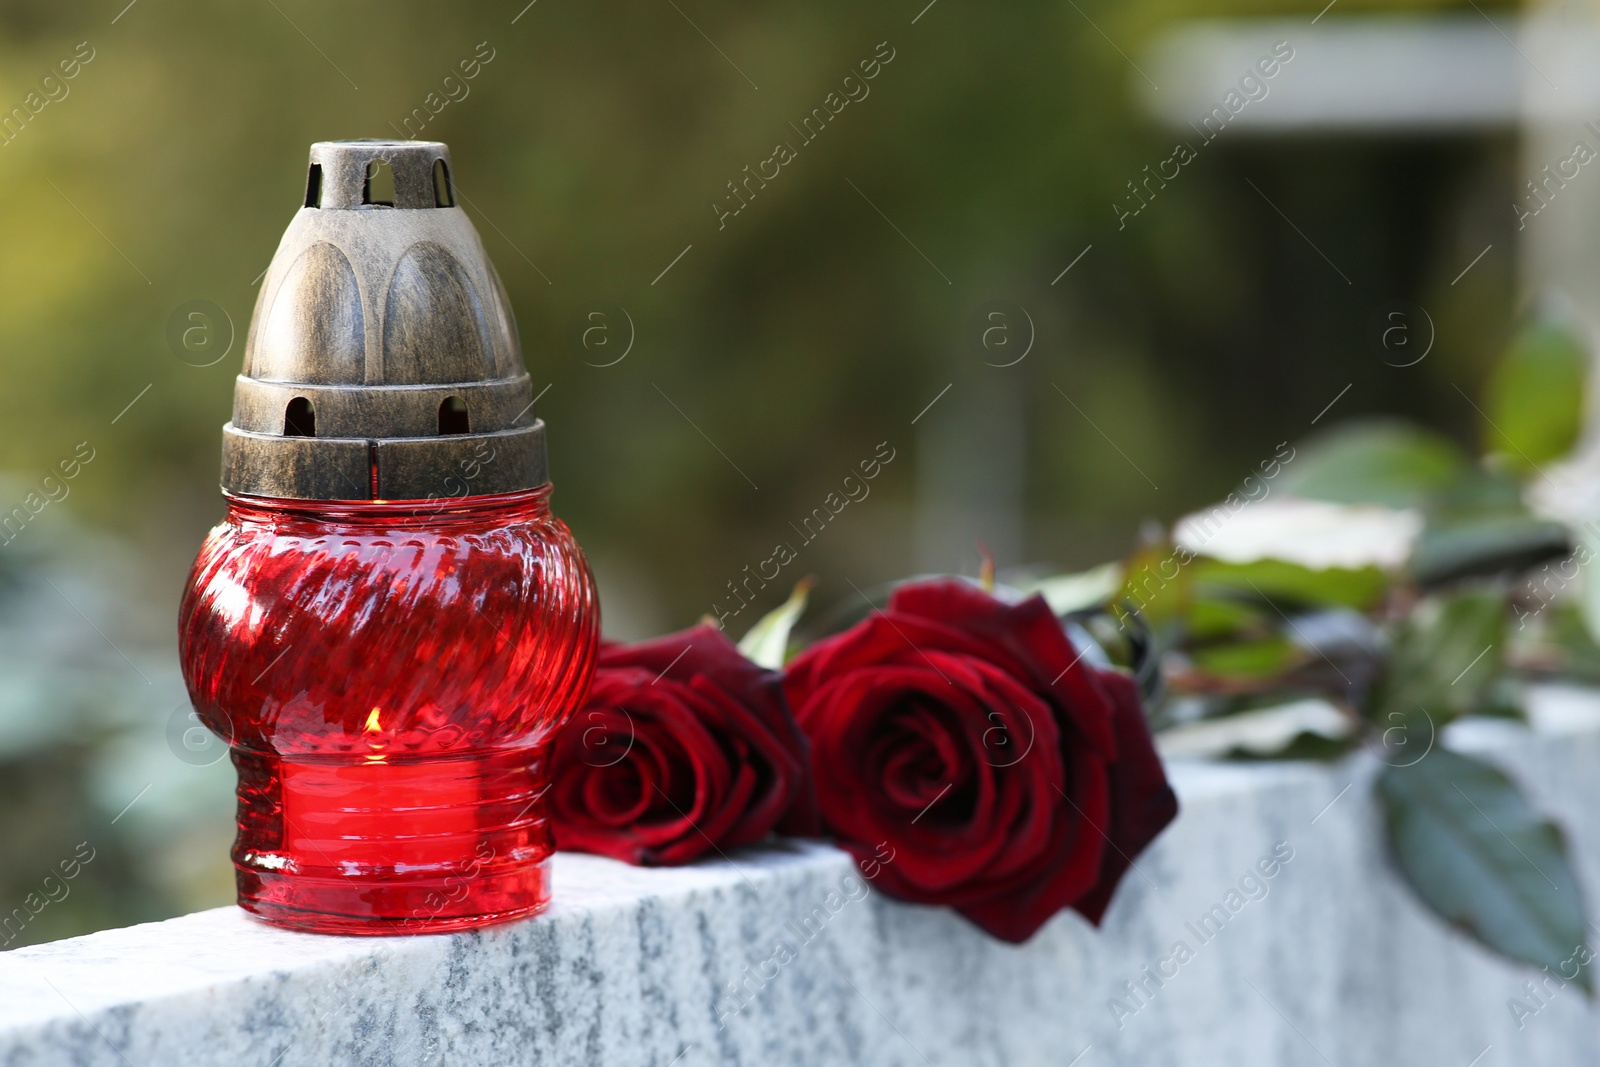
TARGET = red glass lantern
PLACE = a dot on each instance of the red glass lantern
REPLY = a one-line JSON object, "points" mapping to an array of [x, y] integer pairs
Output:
{"points": [[390, 625]]}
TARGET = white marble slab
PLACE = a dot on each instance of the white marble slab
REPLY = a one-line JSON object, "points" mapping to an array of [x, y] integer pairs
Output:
{"points": [[1332, 964]]}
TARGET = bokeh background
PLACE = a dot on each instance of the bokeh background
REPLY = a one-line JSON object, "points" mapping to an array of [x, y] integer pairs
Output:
{"points": [[765, 355]]}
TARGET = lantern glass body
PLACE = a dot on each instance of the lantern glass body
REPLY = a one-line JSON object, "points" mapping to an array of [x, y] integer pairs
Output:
{"points": [[389, 676]]}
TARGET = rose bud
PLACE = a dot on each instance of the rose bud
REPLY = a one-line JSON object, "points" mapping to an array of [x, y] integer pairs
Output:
{"points": [[961, 748], [684, 747]]}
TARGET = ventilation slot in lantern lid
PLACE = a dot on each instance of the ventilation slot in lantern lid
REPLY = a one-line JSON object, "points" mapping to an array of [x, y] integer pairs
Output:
{"points": [[378, 189], [299, 419]]}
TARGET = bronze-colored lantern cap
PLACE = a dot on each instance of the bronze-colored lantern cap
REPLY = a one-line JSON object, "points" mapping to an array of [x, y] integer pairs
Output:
{"points": [[383, 361]]}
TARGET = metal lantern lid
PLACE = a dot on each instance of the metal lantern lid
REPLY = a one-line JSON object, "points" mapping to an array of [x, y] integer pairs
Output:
{"points": [[383, 360]]}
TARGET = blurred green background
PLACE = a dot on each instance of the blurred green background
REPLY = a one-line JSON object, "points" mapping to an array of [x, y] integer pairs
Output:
{"points": [[777, 352]]}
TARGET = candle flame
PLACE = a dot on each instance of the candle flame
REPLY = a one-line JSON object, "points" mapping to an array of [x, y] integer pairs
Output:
{"points": [[374, 725]]}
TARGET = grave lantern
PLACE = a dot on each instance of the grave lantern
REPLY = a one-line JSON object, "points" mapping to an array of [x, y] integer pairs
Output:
{"points": [[390, 624]]}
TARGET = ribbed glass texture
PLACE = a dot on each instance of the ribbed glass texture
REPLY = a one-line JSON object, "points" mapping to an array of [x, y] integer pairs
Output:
{"points": [[389, 676]]}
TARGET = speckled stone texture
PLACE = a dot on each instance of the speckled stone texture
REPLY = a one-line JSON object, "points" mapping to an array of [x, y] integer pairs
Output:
{"points": [[1331, 964]]}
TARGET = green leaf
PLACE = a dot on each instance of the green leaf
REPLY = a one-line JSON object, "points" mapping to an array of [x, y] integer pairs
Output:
{"points": [[1074, 592], [1506, 699], [1248, 659], [1534, 401], [1374, 462], [1483, 492], [1158, 585], [1586, 546], [1265, 732], [1292, 583], [1212, 618], [767, 643], [1485, 544], [1445, 659], [1484, 860], [1568, 632]]}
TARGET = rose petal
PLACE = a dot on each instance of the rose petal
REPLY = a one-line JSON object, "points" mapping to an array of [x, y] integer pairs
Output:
{"points": [[1028, 635], [1142, 801], [1016, 914]]}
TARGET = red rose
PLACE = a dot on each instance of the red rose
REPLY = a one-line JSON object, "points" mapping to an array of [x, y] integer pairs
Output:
{"points": [[961, 752], [684, 746]]}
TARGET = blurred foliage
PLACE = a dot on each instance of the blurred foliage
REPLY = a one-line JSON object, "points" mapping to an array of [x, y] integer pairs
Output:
{"points": [[1535, 401], [107, 818], [1298, 585], [1377, 462], [1258, 653], [1432, 653], [1485, 860], [796, 337]]}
